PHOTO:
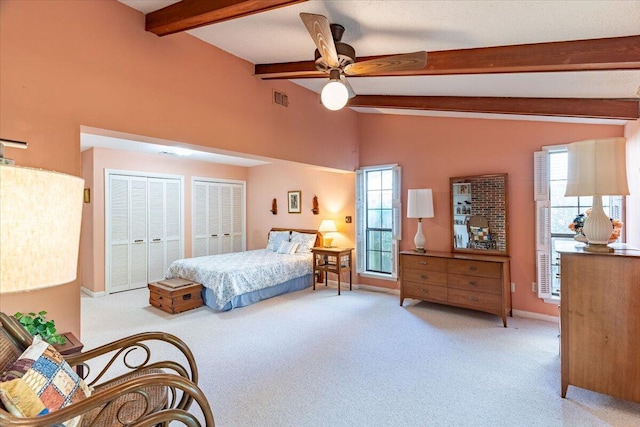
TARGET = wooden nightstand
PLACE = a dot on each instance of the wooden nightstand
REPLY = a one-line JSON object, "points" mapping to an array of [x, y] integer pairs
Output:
{"points": [[331, 260]]}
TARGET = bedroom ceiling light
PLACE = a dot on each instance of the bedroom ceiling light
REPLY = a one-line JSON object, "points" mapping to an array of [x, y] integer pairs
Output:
{"points": [[597, 168], [334, 94], [327, 227], [420, 205], [40, 216]]}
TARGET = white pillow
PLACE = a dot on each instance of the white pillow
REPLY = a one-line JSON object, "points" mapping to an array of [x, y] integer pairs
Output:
{"points": [[275, 238], [305, 240], [287, 248]]}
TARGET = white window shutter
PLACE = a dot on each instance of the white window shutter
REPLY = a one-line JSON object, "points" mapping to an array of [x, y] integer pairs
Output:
{"points": [[541, 175], [543, 264], [360, 223], [396, 206]]}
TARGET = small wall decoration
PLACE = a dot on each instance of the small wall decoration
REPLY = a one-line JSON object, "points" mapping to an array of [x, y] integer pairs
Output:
{"points": [[274, 207], [316, 209], [87, 195], [294, 201]]}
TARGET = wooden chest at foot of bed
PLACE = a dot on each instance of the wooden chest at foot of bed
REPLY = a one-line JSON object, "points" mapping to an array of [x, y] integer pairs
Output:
{"points": [[175, 300]]}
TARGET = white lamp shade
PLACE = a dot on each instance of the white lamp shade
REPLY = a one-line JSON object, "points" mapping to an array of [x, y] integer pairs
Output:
{"points": [[334, 95], [597, 167], [327, 225], [420, 203], [40, 217]]}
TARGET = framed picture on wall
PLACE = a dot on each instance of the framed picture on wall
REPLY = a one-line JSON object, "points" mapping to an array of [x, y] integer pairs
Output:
{"points": [[294, 201]]}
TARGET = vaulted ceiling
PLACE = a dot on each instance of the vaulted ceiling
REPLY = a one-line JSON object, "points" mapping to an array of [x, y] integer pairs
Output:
{"points": [[558, 60]]}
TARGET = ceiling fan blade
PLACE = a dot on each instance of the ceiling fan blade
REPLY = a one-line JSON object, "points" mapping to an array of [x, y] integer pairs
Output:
{"points": [[346, 84], [320, 31], [404, 62]]}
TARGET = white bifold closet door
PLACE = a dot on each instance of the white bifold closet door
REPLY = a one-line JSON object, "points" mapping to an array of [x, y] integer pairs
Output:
{"points": [[145, 223], [218, 218], [164, 226]]}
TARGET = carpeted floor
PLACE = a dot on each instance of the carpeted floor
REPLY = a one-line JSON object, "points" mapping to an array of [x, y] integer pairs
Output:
{"points": [[313, 358]]}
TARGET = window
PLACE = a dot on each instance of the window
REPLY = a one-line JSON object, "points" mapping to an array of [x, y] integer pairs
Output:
{"points": [[554, 213], [378, 218]]}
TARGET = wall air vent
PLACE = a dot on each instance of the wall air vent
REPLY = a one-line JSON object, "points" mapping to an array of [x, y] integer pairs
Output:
{"points": [[280, 98]]}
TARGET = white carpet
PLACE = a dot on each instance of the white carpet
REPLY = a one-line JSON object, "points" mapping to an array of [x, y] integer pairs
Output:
{"points": [[313, 358]]}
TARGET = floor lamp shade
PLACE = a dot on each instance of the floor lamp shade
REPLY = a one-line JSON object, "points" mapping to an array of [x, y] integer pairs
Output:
{"points": [[419, 205], [597, 168], [40, 217]]}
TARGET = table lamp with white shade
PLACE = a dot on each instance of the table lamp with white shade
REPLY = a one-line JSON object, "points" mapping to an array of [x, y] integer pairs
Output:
{"points": [[327, 228], [597, 168], [420, 205]]}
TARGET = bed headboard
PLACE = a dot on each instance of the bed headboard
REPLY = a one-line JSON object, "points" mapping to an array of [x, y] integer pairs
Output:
{"points": [[319, 240]]}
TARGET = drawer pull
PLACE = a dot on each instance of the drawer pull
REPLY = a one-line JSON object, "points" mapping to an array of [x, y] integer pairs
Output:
{"points": [[186, 297], [424, 291], [473, 299], [473, 268], [423, 263], [138, 241], [473, 283], [424, 276]]}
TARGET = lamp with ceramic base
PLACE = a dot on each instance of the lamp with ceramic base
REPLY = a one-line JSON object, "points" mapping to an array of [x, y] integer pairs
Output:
{"points": [[420, 205], [327, 227], [597, 168]]}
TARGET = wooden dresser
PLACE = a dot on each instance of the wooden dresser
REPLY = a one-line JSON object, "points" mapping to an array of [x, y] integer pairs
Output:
{"points": [[600, 322], [478, 282]]}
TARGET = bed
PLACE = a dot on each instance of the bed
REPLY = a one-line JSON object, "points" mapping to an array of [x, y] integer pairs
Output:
{"points": [[238, 279]]}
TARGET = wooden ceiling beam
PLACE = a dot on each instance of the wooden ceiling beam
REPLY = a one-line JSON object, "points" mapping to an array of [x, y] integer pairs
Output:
{"points": [[189, 14], [614, 53], [621, 109]]}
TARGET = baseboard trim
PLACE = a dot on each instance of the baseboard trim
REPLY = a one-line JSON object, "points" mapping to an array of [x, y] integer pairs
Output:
{"points": [[91, 293], [536, 316]]}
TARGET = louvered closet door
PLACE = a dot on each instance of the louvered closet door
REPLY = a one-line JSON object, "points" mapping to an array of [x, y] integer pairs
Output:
{"points": [[200, 220], [226, 218], [156, 230], [214, 224], [173, 221], [119, 234], [138, 233], [237, 208]]}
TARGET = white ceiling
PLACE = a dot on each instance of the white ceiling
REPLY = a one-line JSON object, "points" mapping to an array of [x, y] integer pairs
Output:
{"points": [[377, 27]]}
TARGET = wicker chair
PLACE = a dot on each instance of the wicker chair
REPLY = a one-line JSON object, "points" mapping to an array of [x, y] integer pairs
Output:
{"points": [[481, 240], [140, 392]]}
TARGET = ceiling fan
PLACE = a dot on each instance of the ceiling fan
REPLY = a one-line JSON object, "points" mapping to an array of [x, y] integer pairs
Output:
{"points": [[338, 59]]}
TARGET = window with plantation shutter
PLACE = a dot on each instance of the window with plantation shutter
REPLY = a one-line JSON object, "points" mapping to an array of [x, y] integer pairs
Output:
{"points": [[554, 213], [378, 220]]}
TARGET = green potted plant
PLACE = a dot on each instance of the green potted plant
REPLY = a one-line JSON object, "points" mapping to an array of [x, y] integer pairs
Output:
{"points": [[37, 324]]}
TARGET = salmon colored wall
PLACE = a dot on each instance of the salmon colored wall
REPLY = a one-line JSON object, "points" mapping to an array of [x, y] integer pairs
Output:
{"points": [[432, 149], [102, 158], [336, 199], [66, 64]]}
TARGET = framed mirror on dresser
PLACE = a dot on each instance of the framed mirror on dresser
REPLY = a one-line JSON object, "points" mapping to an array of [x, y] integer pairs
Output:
{"points": [[479, 214]]}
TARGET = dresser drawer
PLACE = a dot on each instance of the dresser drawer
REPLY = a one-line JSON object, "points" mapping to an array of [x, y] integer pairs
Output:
{"points": [[424, 292], [475, 283], [424, 263], [474, 268], [478, 300], [424, 276]]}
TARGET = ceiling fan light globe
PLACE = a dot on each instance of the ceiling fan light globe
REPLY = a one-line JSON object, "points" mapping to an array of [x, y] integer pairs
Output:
{"points": [[334, 95]]}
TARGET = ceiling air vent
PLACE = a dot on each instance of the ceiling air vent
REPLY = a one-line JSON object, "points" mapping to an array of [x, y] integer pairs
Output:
{"points": [[280, 98]]}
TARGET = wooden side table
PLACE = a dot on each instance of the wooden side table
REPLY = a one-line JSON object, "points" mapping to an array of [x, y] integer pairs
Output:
{"points": [[72, 346], [332, 260]]}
